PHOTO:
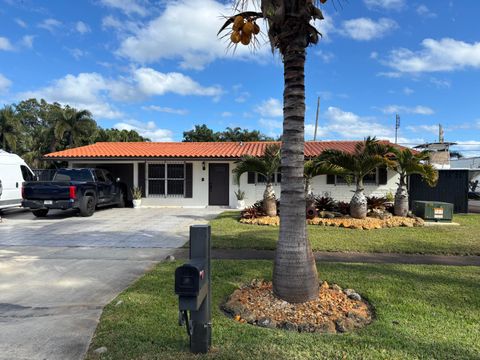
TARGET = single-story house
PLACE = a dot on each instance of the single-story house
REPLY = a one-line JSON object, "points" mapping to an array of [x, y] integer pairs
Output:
{"points": [[201, 174]]}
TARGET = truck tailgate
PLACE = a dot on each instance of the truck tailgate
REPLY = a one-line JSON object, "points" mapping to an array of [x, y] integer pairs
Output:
{"points": [[46, 190]]}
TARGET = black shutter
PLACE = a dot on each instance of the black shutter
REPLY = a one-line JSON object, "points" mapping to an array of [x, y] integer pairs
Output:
{"points": [[331, 179], [251, 177], [188, 180], [382, 176], [141, 178]]}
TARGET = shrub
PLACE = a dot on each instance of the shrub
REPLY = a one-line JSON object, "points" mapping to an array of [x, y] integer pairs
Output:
{"points": [[374, 202], [324, 203], [342, 207]]}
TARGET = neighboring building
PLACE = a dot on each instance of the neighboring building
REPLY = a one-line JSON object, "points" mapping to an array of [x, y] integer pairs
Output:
{"points": [[201, 174], [473, 164]]}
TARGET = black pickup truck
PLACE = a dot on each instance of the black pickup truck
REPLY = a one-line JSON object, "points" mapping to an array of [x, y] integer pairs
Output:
{"points": [[82, 189]]}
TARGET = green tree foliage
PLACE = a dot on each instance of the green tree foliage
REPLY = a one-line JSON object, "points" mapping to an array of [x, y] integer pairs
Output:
{"points": [[34, 128], [202, 133]]}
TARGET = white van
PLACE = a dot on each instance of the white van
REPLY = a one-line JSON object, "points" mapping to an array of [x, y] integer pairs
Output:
{"points": [[13, 172]]}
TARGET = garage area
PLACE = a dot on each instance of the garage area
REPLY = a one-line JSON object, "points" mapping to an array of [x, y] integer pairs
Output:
{"points": [[57, 273]]}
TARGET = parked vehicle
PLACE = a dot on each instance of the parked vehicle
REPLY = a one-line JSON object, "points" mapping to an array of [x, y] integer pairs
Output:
{"points": [[472, 195], [82, 189], [13, 172]]}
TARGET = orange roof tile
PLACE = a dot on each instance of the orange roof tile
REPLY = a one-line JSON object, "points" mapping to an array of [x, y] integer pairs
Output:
{"points": [[222, 150]]}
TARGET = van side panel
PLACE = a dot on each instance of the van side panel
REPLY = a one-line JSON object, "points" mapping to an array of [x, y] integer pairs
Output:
{"points": [[11, 176]]}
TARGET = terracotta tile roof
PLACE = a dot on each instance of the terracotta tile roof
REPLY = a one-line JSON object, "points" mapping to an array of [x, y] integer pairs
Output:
{"points": [[222, 150]]}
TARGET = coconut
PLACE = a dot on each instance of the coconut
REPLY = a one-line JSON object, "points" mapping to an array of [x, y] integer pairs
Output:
{"points": [[248, 28], [245, 38], [238, 23], [235, 37], [256, 28]]}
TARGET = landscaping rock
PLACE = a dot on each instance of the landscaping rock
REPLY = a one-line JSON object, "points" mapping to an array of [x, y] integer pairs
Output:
{"points": [[100, 350], [170, 258], [345, 325], [336, 287], [352, 294], [267, 323], [289, 326], [327, 327]]}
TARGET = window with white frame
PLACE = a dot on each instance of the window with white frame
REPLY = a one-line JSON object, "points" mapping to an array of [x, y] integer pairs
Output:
{"points": [[256, 178], [166, 179], [375, 177]]}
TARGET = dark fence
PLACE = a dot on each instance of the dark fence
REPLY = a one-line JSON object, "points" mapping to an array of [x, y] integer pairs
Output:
{"points": [[44, 174], [452, 188]]}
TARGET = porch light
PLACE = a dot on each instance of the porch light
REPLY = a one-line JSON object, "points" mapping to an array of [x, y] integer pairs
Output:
{"points": [[203, 165]]}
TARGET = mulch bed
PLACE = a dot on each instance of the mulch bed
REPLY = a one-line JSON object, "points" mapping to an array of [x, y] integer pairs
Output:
{"points": [[369, 223], [334, 311]]}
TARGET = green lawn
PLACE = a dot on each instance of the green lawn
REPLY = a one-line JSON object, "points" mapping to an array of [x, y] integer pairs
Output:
{"points": [[422, 312], [227, 232]]}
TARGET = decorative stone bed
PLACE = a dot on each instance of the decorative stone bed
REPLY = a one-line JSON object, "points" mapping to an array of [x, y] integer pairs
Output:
{"points": [[334, 311], [346, 222]]}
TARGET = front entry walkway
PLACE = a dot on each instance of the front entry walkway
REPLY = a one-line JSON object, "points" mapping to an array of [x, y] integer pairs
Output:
{"points": [[57, 273]]}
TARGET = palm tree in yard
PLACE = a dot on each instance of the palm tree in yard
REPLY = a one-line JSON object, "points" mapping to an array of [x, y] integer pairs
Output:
{"points": [[295, 277], [406, 163], [10, 126], [77, 124], [367, 156], [266, 165]]}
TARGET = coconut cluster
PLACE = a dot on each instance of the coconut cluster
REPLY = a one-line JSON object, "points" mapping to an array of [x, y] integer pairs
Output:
{"points": [[243, 30]]}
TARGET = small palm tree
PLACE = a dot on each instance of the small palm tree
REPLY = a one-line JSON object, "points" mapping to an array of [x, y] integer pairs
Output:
{"points": [[10, 128], [368, 155], [408, 163], [74, 122], [265, 165]]}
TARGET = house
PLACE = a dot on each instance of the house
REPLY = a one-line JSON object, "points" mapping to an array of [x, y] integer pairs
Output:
{"points": [[201, 174]]}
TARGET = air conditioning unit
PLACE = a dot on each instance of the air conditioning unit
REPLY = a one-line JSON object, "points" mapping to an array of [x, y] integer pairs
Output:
{"points": [[433, 210]]}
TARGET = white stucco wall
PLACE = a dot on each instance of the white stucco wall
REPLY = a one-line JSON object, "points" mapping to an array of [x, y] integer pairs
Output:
{"points": [[253, 192]]}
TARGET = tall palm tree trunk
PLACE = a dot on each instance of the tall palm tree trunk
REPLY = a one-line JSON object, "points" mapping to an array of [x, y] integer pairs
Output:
{"points": [[358, 204], [400, 206], [295, 277]]}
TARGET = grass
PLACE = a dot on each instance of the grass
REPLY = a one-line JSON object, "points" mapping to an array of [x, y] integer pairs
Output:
{"points": [[227, 232], [422, 312]]}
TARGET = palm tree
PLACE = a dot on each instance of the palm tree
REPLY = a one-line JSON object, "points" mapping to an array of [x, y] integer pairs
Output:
{"points": [[295, 277], [266, 165], [75, 123], [408, 163], [368, 155], [10, 128]]}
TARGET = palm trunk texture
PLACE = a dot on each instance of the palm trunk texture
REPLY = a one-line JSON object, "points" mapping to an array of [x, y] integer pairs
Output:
{"points": [[295, 277], [269, 201], [358, 204], [400, 206]]}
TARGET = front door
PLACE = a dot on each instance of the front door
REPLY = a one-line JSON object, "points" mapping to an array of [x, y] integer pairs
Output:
{"points": [[218, 184]]}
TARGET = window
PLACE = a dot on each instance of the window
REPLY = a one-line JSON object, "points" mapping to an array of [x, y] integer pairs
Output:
{"points": [[73, 175], [370, 178], [379, 176], [167, 179], [256, 178], [100, 176], [26, 174]]}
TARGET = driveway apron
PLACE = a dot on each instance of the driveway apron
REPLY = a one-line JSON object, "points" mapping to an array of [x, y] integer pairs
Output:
{"points": [[57, 273]]}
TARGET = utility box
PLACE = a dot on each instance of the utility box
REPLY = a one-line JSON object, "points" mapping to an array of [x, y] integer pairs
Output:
{"points": [[433, 210]]}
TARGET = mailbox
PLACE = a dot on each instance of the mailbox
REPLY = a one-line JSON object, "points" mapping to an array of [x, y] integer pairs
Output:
{"points": [[192, 285]]}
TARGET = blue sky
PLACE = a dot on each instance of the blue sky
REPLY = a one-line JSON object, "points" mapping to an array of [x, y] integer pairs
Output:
{"points": [[157, 66]]}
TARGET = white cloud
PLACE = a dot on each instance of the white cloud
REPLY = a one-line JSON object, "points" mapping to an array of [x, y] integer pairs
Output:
{"points": [[270, 108], [5, 44], [198, 23], [27, 41], [390, 74], [397, 109], [77, 53], [365, 29], [129, 7], [5, 84], [152, 82], [273, 128], [385, 4], [326, 56], [167, 110], [433, 129], [226, 114], [424, 11], [21, 23], [435, 56], [148, 129], [50, 24], [82, 28], [407, 91], [374, 55]]}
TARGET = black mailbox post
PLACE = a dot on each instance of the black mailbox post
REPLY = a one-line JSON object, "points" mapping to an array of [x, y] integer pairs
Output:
{"points": [[192, 285]]}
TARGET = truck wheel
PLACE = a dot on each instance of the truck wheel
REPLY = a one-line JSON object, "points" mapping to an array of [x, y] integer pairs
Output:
{"points": [[121, 200], [87, 206], [40, 212]]}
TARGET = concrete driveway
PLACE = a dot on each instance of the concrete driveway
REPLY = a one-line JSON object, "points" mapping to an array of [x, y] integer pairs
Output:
{"points": [[57, 273]]}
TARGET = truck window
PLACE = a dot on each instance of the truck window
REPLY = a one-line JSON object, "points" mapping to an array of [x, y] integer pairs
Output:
{"points": [[99, 175], [26, 174], [73, 175]]}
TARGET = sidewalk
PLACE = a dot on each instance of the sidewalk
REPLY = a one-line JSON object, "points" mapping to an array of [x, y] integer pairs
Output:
{"points": [[379, 258]]}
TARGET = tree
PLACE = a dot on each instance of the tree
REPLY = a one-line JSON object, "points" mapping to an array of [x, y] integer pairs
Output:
{"points": [[266, 165], [239, 135], [201, 133], [407, 163], [368, 155], [77, 124], [295, 277], [10, 128], [108, 135]]}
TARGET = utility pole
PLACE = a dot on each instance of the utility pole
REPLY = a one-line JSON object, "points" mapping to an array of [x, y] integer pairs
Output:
{"points": [[397, 126], [316, 120]]}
